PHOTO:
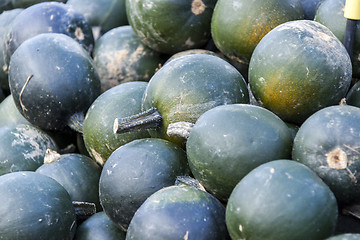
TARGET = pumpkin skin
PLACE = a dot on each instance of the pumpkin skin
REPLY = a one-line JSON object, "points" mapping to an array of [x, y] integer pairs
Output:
{"points": [[106, 14], [120, 56], [136, 170], [331, 14], [299, 68], [237, 26], [9, 114], [5, 18], [345, 236], [327, 142], [281, 193], [310, 7], [78, 174], [48, 17], [99, 227], [22, 148], [183, 24], [51, 78], [120, 101], [228, 141], [179, 212], [35, 206], [353, 96], [188, 86], [28, 3]]}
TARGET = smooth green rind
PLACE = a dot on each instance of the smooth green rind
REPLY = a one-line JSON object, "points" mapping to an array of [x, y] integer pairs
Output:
{"points": [[51, 78], [78, 174], [23, 147], [345, 236], [120, 56], [120, 101], [228, 141], [281, 200], [328, 142], [99, 227], [188, 86], [331, 14], [353, 96], [171, 26], [179, 212], [34, 206], [9, 114], [237, 26], [136, 170], [28, 3], [298, 68]]}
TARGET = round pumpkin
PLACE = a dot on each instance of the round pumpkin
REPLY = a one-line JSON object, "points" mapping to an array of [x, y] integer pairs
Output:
{"points": [[120, 56], [330, 13], [48, 17], [23, 147], [299, 68], [179, 212], [328, 142], [237, 26], [77, 173], [99, 227], [52, 78], [282, 200], [34, 206], [188, 86], [228, 141], [119, 101], [169, 26], [136, 170]]}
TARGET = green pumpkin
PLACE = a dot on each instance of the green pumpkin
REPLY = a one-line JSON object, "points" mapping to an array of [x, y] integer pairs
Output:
{"points": [[328, 142], [228, 141], [34, 206], [281, 200]]}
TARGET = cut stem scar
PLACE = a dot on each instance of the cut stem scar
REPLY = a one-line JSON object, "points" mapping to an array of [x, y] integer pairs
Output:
{"points": [[22, 91]]}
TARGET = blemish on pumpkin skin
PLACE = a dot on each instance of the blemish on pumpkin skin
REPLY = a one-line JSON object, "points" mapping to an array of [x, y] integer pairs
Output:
{"points": [[198, 7], [79, 34]]}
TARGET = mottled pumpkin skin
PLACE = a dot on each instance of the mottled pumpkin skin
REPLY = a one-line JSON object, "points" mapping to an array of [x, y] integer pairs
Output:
{"points": [[331, 14], [276, 198], [186, 87], [237, 26], [299, 68], [328, 142], [170, 26]]}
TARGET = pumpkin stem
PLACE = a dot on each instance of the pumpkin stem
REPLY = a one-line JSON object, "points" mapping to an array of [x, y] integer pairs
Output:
{"points": [[189, 181], [76, 122], [51, 156], [84, 210], [179, 129], [149, 119]]}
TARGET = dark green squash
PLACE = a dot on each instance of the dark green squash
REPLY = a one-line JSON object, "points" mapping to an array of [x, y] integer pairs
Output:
{"points": [[330, 13], [28, 3], [282, 200], [237, 26], [48, 17], [186, 87], [52, 78], [353, 96], [136, 170], [9, 114], [328, 142], [106, 14], [120, 56], [5, 19], [120, 101], [23, 147], [77, 173], [34, 206], [179, 212], [228, 141], [169, 26], [310, 7], [299, 68], [99, 227]]}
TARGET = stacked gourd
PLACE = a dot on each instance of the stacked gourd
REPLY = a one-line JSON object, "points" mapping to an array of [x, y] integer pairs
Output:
{"points": [[194, 119]]}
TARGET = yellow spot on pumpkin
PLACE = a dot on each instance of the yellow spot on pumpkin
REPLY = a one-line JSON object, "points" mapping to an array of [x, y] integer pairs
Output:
{"points": [[198, 7]]}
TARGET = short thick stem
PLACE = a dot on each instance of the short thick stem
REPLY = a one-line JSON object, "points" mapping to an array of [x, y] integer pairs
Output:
{"points": [[84, 210], [179, 129], [149, 119], [76, 122]]}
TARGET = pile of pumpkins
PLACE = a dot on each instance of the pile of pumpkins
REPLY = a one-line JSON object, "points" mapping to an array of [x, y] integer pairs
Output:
{"points": [[193, 119]]}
